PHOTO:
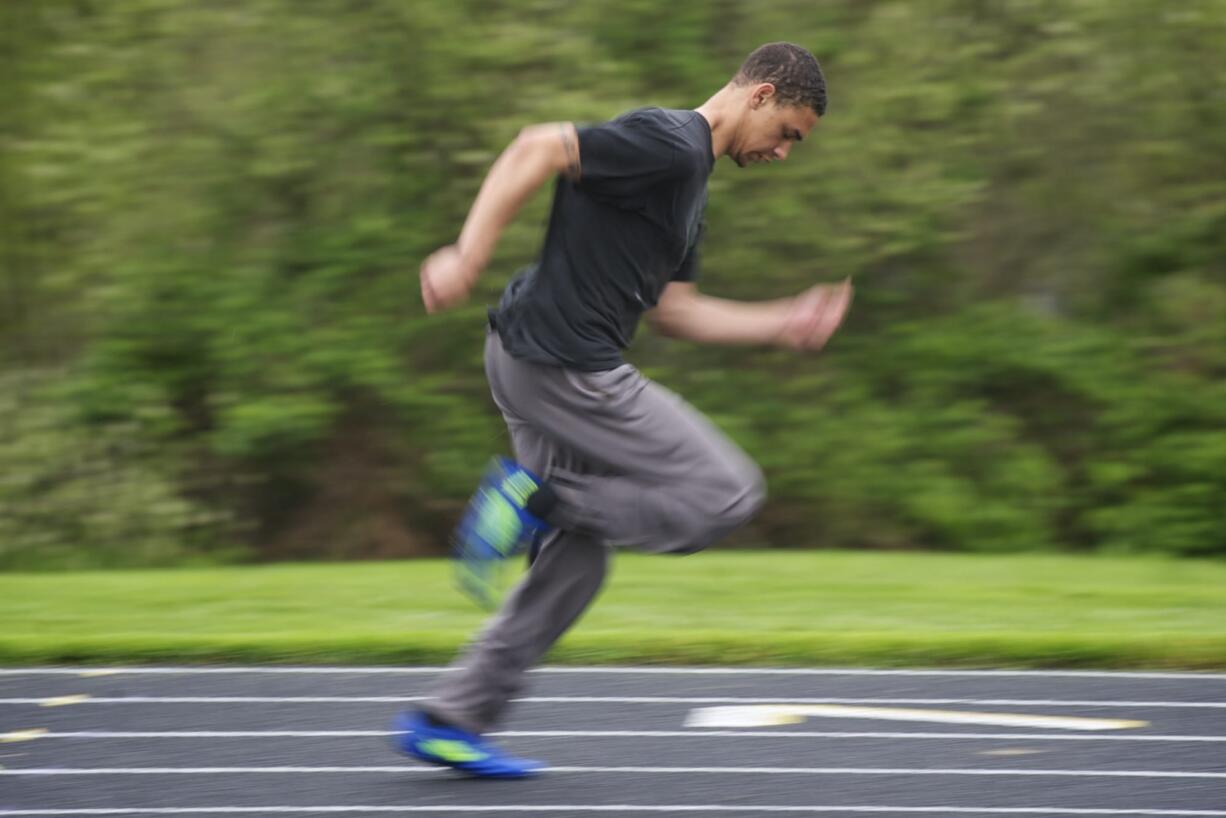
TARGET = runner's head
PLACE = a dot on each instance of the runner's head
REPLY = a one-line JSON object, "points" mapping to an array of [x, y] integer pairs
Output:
{"points": [[783, 94]]}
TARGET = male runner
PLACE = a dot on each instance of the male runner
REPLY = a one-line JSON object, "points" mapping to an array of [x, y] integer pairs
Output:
{"points": [[605, 456]]}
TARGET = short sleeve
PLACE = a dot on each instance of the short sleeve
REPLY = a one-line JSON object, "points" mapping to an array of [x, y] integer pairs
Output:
{"points": [[621, 159], [688, 270]]}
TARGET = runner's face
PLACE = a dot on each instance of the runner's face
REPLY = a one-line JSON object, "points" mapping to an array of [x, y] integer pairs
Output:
{"points": [[770, 131]]}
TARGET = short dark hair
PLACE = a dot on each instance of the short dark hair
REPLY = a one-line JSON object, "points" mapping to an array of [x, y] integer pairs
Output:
{"points": [[794, 72]]}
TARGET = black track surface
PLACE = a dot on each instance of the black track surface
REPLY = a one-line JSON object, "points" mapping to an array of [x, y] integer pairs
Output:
{"points": [[1029, 770]]}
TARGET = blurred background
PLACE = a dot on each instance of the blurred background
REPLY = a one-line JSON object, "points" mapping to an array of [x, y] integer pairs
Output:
{"points": [[212, 346]]}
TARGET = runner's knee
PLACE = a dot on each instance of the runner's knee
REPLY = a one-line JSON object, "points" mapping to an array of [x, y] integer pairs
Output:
{"points": [[725, 506]]}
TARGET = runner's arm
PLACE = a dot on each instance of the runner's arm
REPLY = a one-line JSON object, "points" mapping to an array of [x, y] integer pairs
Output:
{"points": [[805, 321], [537, 154]]}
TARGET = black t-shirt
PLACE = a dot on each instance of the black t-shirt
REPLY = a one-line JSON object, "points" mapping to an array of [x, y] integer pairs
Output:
{"points": [[616, 237]]}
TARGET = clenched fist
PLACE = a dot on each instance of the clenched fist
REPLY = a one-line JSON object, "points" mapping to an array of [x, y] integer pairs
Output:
{"points": [[815, 315], [447, 276]]}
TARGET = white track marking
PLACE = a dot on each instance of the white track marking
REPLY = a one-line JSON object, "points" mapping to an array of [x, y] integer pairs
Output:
{"points": [[780, 700], [22, 735], [618, 808], [215, 699], [223, 734], [407, 770], [869, 701], [708, 671], [62, 701], [764, 715]]}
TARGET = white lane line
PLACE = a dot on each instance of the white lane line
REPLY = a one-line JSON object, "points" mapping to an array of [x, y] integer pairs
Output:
{"points": [[869, 701], [204, 670], [195, 734], [403, 769], [215, 699], [764, 715], [621, 669], [619, 808], [781, 700]]}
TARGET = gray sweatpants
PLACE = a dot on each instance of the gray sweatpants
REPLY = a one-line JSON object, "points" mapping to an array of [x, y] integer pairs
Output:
{"points": [[634, 466]]}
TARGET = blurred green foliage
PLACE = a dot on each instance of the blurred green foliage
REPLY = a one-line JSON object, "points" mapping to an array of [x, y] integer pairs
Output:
{"points": [[211, 217]]}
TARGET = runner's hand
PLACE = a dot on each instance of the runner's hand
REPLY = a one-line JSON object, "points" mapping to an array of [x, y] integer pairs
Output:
{"points": [[816, 314], [446, 278]]}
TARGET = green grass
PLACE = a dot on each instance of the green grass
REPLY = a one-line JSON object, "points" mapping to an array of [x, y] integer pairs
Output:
{"points": [[818, 608]]}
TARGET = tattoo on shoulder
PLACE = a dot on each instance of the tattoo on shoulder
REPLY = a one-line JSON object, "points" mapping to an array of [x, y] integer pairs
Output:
{"points": [[571, 146]]}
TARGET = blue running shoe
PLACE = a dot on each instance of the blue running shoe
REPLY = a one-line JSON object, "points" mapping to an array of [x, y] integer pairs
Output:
{"points": [[451, 747], [496, 525]]}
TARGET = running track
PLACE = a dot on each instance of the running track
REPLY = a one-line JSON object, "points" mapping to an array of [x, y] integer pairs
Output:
{"points": [[314, 741]]}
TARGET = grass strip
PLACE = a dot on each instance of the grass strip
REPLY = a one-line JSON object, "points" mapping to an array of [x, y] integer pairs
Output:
{"points": [[735, 607]]}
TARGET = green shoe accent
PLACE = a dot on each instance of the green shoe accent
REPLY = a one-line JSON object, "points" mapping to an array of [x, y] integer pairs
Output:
{"points": [[519, 487], [498, 523], [453, 751]]}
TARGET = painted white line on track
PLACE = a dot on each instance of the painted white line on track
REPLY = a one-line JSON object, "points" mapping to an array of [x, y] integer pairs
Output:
{"points": [[15, 736], [219, 699], [870, 701], [602, 700], [195, 734], [764, 715], [1004, 773], [62, 701], [620, 808], [707, 671]]}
